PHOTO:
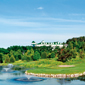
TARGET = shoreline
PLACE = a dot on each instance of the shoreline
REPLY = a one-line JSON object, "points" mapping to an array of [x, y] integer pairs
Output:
{"points": [[56, 75]]}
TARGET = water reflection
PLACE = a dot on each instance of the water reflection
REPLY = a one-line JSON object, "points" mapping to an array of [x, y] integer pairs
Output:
{"points": [[17, 76], [8, 69], [63, 81], [25, 79], [82, 78]]}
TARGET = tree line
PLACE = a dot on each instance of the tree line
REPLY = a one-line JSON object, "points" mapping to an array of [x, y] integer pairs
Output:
{"points": [[75, 48]]}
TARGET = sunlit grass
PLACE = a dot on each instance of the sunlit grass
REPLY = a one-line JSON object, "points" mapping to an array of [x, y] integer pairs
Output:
{"points": [[50, 66]]}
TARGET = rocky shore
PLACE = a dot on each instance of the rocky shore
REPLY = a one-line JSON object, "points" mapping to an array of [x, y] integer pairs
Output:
{"points": [[56, 75]]}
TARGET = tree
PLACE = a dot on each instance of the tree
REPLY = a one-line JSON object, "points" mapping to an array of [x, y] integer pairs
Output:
{"points": [[12, 59], [32, 53], [82, 54], [52, 55], [4, 51], [67, 54], [36, 56], [17, 58], [11, 52], [1, 58], [24, 57], [48, 55], [70, 45], [76, 44], [7, 59], [44, 55], [18, 54], [28, 55]]}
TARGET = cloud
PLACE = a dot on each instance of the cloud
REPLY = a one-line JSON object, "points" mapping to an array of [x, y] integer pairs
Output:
{"points": [[17, 22], [56, 19], [66, 20], [61, 19], [36, 22], [40, 8], [74, 14]]}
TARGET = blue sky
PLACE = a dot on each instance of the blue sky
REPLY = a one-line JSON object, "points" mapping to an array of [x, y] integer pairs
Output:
{"points": [[22, 21]]}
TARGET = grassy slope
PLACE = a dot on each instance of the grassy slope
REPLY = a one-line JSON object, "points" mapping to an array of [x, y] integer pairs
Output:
{"points": [[59, 70], [54, 69], [51, 66]]}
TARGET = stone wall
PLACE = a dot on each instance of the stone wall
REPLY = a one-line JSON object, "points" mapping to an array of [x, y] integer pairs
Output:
{"points": [[57, 75]]}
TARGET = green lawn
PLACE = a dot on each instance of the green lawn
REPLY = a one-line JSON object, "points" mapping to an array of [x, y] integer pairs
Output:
{"points": [[54, 69], [58, 70], [50, 66]]}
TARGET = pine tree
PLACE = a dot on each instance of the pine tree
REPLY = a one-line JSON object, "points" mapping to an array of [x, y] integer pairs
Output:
{"points": [[52, 55], [7, 59], [12, 59], [44, 55], [36, 56], [32, 53], [70, 45], [17, 58], [1, 57], [24, 58]]}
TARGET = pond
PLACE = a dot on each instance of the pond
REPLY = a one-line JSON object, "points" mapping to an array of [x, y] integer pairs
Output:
{"points": [[17, 76]]}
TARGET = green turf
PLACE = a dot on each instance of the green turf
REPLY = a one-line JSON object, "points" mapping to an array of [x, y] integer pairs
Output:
{"points": [[54, 69], [59, 70], [50, 66]]}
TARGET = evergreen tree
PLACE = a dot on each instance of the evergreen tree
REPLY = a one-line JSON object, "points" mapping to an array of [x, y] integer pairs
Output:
{"points": [[48, 55], [70, 45], [24, 58], [44, 55], [36, 56], [12, 59], [1, 58], [11, 52], [52, 55], [32, 53], [18, 54], [29, 55], [7, 59], [17, 58]]}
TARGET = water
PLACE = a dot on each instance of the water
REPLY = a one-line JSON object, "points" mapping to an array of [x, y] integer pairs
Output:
{"points": [[18, 77]]}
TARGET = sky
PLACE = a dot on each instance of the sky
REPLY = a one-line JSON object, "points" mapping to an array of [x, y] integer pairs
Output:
{"points": [[24, 21]]}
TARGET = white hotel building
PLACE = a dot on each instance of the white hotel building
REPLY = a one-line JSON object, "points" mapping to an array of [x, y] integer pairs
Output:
{"points": [[42, 43]]}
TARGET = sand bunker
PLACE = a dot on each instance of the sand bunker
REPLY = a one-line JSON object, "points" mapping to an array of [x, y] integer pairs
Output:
{"points": [[66, 65]]}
